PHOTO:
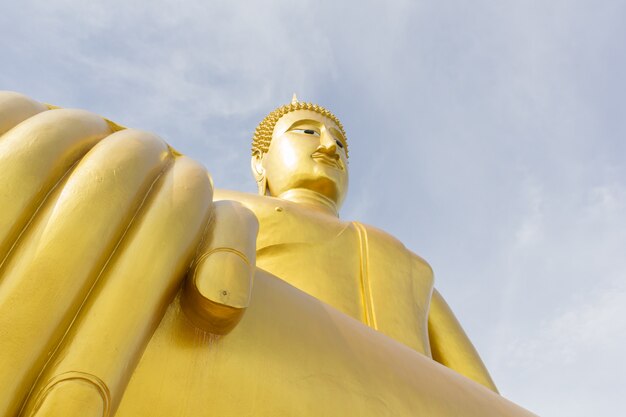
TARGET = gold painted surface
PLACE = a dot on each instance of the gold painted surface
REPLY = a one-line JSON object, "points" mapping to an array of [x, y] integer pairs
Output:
{"points": [[125, 290], [292, 355]]}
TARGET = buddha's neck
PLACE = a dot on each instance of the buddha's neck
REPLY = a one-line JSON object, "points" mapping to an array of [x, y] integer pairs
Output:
{"points": [[311, 199]]}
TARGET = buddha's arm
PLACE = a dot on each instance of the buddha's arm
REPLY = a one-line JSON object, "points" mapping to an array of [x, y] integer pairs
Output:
{"points": [[450, 345]]}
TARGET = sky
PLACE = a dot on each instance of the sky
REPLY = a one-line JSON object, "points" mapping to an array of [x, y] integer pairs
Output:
{"points": [[488, 136]]}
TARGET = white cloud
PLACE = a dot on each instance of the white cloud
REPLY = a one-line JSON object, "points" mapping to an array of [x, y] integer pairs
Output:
{"points": [[530, 231], [574, 353]]}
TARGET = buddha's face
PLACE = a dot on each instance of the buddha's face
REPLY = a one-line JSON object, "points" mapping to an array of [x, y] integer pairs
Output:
{"points": [[307, 151]]}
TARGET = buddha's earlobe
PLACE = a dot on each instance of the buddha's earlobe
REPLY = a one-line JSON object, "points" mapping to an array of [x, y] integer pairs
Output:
{"points": [[256, 163], [262, 185]]}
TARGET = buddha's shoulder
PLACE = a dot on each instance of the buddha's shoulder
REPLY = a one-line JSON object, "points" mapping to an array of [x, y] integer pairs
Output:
{"points": [[244, 198], [257, 203], [266, 208], [379, 240]]}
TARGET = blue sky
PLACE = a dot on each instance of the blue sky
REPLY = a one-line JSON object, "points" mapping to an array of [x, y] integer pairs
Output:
{"points": [[488, 136]]}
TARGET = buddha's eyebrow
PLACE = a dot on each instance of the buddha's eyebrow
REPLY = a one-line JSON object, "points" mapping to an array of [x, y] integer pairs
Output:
{"points": [[338, 134], [306, 122]]}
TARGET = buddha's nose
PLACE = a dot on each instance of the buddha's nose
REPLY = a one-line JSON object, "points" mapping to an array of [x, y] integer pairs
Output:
{"points": [[327, 143]]}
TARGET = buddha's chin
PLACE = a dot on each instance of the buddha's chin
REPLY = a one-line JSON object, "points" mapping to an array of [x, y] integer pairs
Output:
{"points": [[331, 183], [334, 174], [329, 187]]}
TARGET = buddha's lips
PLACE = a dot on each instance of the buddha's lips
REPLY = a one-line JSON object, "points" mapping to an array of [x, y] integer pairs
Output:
{"points": [[331, 160]]}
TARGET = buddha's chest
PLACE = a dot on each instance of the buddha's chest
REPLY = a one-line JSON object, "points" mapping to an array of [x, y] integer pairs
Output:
{"points": [[317, 254], [359, 270], [281, 224]]}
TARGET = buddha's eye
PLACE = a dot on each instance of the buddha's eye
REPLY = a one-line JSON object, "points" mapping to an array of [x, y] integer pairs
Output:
{"points": [[339, 143], [307, 132]]}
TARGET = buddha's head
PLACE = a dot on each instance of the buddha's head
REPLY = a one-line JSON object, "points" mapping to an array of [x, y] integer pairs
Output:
{"points": [[301, 146]]}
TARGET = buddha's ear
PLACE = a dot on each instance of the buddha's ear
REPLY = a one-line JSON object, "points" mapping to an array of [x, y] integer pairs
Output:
{"points": [[256, 163]]}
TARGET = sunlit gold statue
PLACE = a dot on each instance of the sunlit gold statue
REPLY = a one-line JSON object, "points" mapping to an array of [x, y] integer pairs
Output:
{"points": [[128, 288]]}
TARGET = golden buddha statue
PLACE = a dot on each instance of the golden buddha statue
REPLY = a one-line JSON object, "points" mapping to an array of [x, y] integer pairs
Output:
{"points": [[129, 288]]}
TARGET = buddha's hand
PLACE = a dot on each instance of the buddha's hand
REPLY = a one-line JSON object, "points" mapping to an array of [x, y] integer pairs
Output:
{"points": [[98, 227]]}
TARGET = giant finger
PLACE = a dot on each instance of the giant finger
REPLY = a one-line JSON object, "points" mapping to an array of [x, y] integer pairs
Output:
{"points": [[88, 375], [217, 291], [47, 276], [15, 108], [34, 156]]}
